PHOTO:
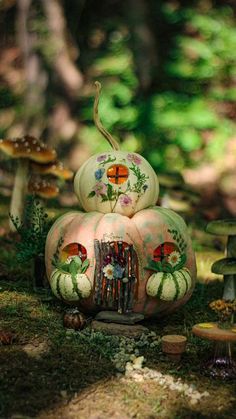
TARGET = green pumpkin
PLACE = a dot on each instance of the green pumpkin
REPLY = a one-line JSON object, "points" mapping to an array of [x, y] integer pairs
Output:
{"points": [[69, 288], [168, 286]]}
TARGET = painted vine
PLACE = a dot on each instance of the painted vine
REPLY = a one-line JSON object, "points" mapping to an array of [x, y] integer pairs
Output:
{"points": [[107, 192]]}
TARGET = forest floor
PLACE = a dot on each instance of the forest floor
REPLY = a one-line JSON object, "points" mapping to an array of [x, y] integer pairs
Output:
{"points": [[47, 371]]}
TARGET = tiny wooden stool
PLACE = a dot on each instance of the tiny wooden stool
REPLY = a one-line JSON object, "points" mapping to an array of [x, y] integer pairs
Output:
{"points": [[221, 364]]}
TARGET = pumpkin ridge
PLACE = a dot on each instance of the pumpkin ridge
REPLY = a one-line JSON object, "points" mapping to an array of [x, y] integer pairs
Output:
{"points": [[174, 217], [58, 286], [160, 289], [185, 280], [58, 222], [185, 271], [176, 285], [75, 286]]}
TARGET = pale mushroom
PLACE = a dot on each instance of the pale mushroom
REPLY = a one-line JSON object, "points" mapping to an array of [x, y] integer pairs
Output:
{"points": [[24, 149], [227, 266]]}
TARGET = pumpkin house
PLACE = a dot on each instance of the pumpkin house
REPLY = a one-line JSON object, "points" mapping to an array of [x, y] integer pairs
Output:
{"points": [[122, 253]]}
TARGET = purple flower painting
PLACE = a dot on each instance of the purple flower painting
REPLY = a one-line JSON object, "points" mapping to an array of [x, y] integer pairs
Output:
{"points": [[102, 157], [125, 200], [100, 189], [134, 159]]}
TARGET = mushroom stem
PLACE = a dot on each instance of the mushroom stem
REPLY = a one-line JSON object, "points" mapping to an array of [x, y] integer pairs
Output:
{"points": [[231, 247], [19, 191], [229, 292], [229, 287], [97, 121]]}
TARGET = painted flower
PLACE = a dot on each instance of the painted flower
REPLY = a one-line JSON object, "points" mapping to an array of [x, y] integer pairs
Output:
{"points": [[125, 200], [99, 174], [107, 259], [100, 189], [108, 271], [118, 271], [120, 260], [69, 259], [102, 157], [174, 258], [145, 187], [134, 159]]}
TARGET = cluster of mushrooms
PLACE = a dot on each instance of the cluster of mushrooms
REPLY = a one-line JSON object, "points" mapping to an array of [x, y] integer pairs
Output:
{"points": [[35, 163]]}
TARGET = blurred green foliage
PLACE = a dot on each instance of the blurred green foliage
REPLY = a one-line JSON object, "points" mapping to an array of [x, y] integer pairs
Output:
{"points": [[190, 105], [184, 116]]}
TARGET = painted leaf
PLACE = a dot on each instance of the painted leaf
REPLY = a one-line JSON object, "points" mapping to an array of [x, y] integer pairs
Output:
{"points": [[109, 192], [73, 268], [78, 261], [91, 194], [85, 266]]}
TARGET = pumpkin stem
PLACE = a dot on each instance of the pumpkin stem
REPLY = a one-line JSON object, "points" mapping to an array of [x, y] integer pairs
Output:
{"points": [[97, 121]]}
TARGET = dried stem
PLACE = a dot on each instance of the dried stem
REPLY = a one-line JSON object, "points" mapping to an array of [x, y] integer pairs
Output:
{"points": [[97, 121]]}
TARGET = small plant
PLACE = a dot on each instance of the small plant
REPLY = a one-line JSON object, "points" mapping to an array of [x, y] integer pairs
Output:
{"points": [[167, 265], [74, 265], [33, 231]]}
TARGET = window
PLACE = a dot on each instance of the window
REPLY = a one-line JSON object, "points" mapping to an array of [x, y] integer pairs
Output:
{"points": [[163, 250], [117, 173], [74, 249]]}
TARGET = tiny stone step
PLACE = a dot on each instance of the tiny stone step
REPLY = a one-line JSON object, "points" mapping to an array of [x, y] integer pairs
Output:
{"points": [[129, 331], [115, 317]]}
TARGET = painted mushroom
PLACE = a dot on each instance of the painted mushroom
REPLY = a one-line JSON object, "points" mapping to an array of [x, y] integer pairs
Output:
{"points": [[24, 149], [226, 266]]}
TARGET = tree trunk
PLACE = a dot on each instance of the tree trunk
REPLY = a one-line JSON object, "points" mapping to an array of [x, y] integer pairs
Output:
{"points": [[35, 77], [64, 66], [143, 42]]}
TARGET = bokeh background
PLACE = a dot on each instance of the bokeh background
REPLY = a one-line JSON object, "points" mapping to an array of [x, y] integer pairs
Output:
{"points": [[168, 70]]}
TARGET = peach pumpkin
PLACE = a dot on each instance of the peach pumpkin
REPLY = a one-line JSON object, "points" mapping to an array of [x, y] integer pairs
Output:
{"points": [[130, 250], [137, 257]]}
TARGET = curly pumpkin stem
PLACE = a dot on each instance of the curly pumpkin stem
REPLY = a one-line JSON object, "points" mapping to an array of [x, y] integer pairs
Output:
{"points": [[97, 121]]}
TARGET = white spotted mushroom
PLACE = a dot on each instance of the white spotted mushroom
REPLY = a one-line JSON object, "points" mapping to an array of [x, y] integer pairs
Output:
{"points": [[55, 168], [24, 149], [43, 189]]}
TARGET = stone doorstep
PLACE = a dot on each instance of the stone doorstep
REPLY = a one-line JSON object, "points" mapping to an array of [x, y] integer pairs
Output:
{"points": [[115, 317], [127, 330]]}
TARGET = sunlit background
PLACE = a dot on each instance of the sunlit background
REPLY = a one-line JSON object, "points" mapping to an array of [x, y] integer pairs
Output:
{"points": [[168, 71]]}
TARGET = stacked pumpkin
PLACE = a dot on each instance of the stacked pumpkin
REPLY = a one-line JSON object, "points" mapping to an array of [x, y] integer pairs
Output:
{"points": [[122, 253]]}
